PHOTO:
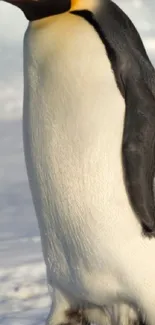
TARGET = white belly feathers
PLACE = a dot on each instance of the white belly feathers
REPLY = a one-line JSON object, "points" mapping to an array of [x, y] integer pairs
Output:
{"points": [[73, 126]]}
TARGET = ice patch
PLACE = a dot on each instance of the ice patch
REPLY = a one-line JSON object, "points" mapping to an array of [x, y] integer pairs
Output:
{"points": [[23, 288]]}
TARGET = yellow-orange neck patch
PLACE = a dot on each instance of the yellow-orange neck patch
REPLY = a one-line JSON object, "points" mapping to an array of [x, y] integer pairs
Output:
{"points": [[84, 4], [74, 3]]}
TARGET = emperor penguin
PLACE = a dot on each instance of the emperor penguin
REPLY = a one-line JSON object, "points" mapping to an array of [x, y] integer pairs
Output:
{"points": [[89, 141]]}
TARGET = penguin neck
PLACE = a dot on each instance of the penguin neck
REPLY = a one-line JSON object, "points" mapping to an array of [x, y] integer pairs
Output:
{"points": [[84, 4]]}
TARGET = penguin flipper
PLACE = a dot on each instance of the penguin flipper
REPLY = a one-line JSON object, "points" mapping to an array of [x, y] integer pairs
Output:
{"points": [[138, 152], [135, 78]]}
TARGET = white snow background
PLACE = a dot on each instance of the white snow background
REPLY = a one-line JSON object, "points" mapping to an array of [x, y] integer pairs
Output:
{"points": [[23, 292]]}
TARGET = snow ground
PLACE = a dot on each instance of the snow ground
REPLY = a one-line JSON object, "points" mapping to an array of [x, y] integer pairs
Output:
{"points": [[23, 296]]}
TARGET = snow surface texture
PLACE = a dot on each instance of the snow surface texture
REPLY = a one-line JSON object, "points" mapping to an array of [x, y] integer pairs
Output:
{"points": [[23, 292]]}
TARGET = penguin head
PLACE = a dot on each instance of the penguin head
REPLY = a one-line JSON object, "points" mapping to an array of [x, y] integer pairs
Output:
{"points": [[37, 9]]}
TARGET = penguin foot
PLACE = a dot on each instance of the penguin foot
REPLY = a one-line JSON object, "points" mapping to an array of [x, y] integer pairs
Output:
{"points": [[76, 317]]}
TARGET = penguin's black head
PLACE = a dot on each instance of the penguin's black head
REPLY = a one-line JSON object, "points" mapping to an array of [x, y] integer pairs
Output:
{"points": [[37, 9]]}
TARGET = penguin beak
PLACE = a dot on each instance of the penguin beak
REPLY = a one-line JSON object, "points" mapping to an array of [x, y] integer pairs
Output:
{"points": [[52, 3]]}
